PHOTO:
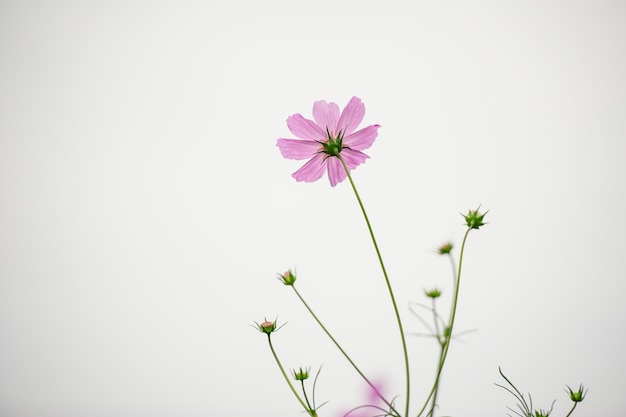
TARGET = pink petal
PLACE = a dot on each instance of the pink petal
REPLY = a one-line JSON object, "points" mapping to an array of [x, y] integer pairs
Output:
{"points": [[326, 115], [305, 128], [312, 170], [353, 158], [336, 173], [361, 139], [351, 116], [298, 149]]}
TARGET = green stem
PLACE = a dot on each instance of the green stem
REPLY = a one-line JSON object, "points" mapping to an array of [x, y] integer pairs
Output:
{"points": [[305, 396], [431, 413], [307, 409], [572, 410], [436, 321], [393, 298], [442, 344], [453, 266], [450, 326], [342, 351]]}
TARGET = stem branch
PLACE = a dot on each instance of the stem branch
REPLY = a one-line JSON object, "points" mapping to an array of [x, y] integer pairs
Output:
{"points": [[341, 350], [450, 325], [311, 412]]}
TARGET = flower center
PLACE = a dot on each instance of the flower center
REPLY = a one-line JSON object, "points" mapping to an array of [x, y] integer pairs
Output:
{"points": [[333, 146]]}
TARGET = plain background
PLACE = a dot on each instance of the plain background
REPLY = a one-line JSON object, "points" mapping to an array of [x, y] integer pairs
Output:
{"points": [[145, 209]]}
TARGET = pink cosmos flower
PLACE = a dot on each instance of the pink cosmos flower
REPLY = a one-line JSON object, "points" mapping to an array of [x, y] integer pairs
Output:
{"points": [[330, 137]]}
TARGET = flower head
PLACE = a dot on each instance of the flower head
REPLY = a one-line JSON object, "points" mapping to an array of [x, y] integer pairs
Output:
{"points": [[445, 248], [577, 396], [301, 374], [267, 327], [327, 140], [474, 219], [434, 293], [287, 278]]}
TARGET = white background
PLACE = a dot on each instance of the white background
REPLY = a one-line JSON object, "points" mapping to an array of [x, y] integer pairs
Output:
{"points": [[145, 209]]}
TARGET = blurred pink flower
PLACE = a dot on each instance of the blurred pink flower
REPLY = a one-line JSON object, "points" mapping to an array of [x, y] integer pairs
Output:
{"points": [[323, 140], [373, 407]]}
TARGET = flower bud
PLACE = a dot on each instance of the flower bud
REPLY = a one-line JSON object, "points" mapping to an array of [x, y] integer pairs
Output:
{"points": [[445, 249], [577, 396], [474, 219], [266, 327], [301, 374], [287, 278], [434, 293]]}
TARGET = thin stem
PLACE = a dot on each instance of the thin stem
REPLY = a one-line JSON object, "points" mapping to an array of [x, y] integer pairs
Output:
{"points": [[436, 321], [433, 333], [453, 266], [393, 298], [342, 351], [431, 413], [442, 344], [445, 341], [305, 396], [308, 410], [572, 410], [450, 326]]}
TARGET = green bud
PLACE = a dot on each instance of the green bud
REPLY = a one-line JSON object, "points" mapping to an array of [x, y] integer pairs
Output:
{"points": [[577, 396], [474, 219], [445, 249], [301, 374], [266, 327], [434, 293], [287, 278]]}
